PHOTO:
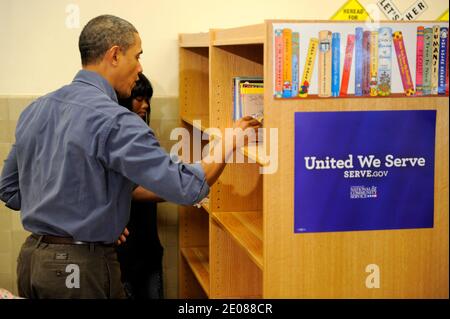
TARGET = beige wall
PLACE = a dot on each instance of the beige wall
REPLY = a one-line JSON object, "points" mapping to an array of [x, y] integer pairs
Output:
{"points": [[39, 53]]}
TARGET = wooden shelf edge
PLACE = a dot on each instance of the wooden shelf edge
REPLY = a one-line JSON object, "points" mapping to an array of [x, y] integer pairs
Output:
{"points": [[251, 151], [246, 229], [204, 124], [194, 40], [197, 258], [252, 34]]}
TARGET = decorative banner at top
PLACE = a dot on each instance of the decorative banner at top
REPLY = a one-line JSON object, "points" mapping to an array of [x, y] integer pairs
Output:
{"points": [[416, 10], [364, 170], [352, 10], [444, 16], [412, 13]]}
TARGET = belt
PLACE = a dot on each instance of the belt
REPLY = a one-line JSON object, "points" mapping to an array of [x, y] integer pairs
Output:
{"points": [[48, 239]]}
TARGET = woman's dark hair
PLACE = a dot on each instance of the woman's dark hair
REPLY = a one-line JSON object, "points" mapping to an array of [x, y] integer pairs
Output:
{"points": [[144, 89]]}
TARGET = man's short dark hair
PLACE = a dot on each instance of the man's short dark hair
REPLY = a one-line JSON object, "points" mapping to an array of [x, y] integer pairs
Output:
{"points": [[100, 34]]}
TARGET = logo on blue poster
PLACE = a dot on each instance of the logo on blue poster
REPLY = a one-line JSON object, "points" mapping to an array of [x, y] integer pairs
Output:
{"points": [[364, 170]]}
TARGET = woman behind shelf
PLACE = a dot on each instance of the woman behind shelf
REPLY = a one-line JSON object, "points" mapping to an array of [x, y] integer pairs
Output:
{"points": [[141, 255]]}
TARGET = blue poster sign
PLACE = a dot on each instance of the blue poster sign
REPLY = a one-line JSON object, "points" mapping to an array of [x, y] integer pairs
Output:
{"points": [[364, 170]]}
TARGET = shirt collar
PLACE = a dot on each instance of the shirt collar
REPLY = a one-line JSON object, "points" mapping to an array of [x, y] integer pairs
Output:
{"points": [[95, 79]]}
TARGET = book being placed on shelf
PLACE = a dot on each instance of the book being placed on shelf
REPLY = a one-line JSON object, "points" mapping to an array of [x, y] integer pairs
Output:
{"points": [[238, 83], [309, 66], [427, 60], [324, 81], [252, 99], [443, 63], [336, 63], [402, 59], [384, 61], [347, 64], [419, 60], [435, 60]]}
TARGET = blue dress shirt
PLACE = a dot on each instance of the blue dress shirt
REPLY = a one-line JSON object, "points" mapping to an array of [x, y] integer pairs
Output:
{"points": [[78, 156]]}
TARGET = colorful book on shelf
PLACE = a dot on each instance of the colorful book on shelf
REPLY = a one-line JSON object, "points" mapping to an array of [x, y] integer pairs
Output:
{"points": [[443, 66], [427, 60], [373, 83], [252, 99], [237, 85], [419, 60], [324, 81], [402, 59], [384, 61], [295, 63], [308, 67], [279, 51], [347, 64], [358, 61], [336, 63], [287, 63], [366, 63], [446, 78], [435, 60]]}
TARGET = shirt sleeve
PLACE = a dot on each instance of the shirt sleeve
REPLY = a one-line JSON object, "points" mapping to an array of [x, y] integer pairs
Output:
{"points": [[131, 149], [9, 183]]}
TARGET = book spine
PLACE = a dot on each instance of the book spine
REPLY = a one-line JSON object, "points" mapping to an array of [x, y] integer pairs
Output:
{"points": [[419, 61], [336, 63], [435, 61], [373, 84], [427, 60], [403, 65], [447, 67], [287, 63], [295, 57], [358, 61], [279, 50], [384, 61], [309, 66], [366, 63], [443, 61], [324, 64], [347, 64]]}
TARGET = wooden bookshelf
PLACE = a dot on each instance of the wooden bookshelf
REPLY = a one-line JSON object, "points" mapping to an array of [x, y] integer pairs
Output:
{"points": [[246, 230], [194, 120], [247, 244], [194, 40], [198, 260]]}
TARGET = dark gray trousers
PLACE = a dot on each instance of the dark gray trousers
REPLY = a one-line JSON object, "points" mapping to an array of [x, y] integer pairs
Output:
{"points": [[68, 271]]}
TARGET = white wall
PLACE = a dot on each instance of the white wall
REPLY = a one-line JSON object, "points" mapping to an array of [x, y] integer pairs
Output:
{"points": [[39, 53]]}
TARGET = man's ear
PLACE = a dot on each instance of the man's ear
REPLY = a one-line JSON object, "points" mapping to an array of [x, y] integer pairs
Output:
{"points": [[113, 55]]}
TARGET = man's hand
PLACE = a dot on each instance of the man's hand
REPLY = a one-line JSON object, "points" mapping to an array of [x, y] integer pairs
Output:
{"points": [[248, 122], [213, 169], [123, 237]]}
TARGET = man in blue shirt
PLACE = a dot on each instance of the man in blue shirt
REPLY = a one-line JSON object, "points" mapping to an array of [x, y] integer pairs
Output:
{"points": [[77, 159]]}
